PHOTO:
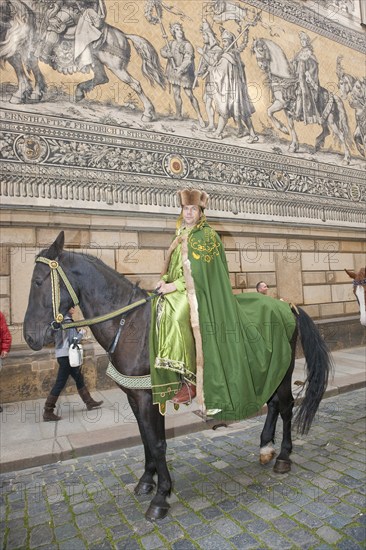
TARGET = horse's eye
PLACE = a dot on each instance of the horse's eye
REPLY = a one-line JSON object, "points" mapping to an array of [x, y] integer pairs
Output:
{"points": [[38, 282]]}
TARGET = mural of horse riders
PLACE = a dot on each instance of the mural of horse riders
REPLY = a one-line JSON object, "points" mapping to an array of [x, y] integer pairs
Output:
{"points": [[74, 36], [60, 31], [296, 91], [87, 280], [354, 89], [359, 290]]}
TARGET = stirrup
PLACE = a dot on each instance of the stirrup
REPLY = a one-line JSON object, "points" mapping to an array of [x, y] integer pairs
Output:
{"points": [[187, 388]]}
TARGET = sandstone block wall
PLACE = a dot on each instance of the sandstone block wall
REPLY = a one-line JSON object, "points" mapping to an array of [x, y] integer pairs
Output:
{"points": [[301, 265]]}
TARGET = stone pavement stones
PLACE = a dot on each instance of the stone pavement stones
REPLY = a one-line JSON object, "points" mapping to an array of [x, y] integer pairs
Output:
{"points": [[88, 503]]}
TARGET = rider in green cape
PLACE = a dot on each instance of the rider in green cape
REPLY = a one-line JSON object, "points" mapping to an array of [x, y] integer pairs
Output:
{"points": [[232, 351]]}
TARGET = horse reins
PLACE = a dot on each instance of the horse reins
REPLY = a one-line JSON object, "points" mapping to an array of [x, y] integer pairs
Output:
{"points": [[58, 273]]}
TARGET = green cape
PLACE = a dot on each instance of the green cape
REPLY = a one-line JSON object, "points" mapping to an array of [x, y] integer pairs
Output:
{"points": [[245, 338]]}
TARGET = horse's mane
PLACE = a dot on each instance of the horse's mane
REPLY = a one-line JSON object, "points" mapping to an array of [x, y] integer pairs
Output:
{"points": [[278, 63], [92, 259]]}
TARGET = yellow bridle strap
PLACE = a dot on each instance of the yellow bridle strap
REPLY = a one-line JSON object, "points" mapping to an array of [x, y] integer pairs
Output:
{"points": [[56, 272], [106, 317]]}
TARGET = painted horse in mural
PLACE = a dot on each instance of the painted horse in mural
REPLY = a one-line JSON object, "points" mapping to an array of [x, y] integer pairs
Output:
{"points": [[17, 35], [354, 89], [99, 290], [21, 33], [283, 82], [359, 290]]}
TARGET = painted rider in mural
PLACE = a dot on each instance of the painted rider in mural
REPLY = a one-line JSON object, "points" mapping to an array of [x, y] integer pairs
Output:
{"points": [[211, 53], [306, 68], [88, 18], [180, 70], [231, 90]]}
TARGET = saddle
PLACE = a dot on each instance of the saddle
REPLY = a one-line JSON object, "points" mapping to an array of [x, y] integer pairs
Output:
{"points": [[63, 58]]}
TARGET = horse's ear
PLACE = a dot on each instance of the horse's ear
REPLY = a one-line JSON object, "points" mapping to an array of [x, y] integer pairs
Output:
{"points": [[57, 247], [350, 273]]}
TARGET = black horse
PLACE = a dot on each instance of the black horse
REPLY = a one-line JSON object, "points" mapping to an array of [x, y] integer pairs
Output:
{"points": [[100, 290]]}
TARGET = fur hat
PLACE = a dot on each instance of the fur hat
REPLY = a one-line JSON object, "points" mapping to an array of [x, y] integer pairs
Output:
{"points": [[193, 197]]}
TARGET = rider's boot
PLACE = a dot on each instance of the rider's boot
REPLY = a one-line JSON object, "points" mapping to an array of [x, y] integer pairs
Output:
{"points": [[185, 394], [88, 400], [48, 414]]}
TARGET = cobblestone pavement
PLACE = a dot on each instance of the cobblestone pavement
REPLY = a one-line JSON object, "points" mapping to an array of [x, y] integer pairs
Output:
{"points": [[222, 497]]}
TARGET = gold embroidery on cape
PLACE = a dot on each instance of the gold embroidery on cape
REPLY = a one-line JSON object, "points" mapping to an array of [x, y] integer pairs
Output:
{"points": [[205, 249]]}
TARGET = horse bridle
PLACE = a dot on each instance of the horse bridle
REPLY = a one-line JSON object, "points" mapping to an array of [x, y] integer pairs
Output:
{"points": [[58, 273], [361, 282]]}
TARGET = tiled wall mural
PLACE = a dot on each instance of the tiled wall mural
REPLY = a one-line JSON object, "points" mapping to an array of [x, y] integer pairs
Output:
{"points": [[116, 103]]}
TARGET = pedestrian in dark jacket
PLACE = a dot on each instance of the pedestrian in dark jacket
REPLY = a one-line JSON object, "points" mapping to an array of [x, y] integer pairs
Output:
{"points": [[63, 340]]}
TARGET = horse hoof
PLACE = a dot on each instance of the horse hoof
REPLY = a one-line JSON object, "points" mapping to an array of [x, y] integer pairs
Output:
{"points": [[148, 117], [155, 513], [282, 466], [266, 457], [143, 488], [16, 100], [35, 98], [79, 95]]}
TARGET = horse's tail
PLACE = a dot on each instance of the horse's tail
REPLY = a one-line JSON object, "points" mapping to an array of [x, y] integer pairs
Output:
{"points": [[151, 67], [319, 365]]}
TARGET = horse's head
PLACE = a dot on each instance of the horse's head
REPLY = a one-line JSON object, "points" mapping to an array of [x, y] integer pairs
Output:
{"points": [[39, 316], [359, 290], [271, 58], [260, 49]]}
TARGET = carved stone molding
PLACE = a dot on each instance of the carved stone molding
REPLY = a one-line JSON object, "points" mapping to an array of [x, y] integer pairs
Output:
{"points": [[94, 166]]}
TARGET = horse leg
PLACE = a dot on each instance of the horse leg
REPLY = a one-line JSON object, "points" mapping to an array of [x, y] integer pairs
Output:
{"points": [[319, 141], [152, 423], [100, 77], [294, 147], [286, 404], [340, 135], [24, 84], [146, 483], [277, 105], [121, 73], [40, 85], [267, 452], [361, 146]]}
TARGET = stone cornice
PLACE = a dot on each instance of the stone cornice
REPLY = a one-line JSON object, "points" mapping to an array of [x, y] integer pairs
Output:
{"points": [[56, 162]]}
